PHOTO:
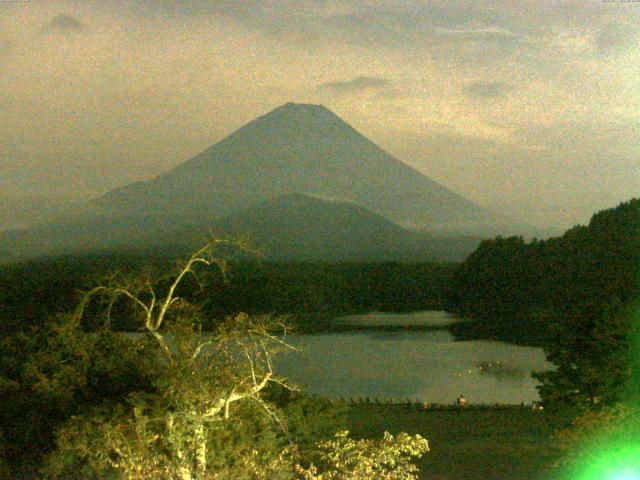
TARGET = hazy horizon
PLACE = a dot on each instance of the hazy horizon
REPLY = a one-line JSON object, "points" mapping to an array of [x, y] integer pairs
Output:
{"points": [[532, 111]]}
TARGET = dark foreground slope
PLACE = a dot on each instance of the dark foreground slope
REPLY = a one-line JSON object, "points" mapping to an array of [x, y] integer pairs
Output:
{"points": [[469, 444]]}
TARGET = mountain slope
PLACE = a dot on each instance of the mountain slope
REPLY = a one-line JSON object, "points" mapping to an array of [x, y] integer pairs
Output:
{"points": [[289, 227], [296, 148], [300, 227]]}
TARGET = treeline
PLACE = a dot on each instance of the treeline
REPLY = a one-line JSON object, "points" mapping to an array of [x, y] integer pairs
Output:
{"points": [[317, 292], [573, 294], [313, 293], [580, 273]]}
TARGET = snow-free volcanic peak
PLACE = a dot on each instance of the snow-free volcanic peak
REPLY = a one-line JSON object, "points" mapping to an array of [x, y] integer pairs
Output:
{"points": [[295, 148]]}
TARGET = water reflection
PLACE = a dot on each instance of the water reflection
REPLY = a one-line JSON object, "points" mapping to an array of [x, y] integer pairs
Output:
{"points": [[428, 366], [426, 318]]}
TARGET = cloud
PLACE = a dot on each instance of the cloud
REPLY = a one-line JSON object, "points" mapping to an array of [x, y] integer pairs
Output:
{"points": [[189, 9], [614, 38], [486, 89], [5, 46], [485, 31], [356, 85], [143, 85], [63, 23]]}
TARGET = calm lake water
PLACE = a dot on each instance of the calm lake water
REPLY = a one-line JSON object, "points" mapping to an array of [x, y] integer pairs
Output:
{"points": [[424, 365]]}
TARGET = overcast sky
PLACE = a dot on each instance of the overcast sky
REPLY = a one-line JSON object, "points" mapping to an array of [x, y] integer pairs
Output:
{"points": [[528, 108]]}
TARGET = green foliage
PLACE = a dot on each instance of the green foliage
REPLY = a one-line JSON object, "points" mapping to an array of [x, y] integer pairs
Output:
{"points": [[308, 420], [574, 294], [203, 413], [31, 292], [56, 371], [390, 458], [171, 401], [5, 468], [597, 444], [323, 289], [495, 279], [594, 365]]}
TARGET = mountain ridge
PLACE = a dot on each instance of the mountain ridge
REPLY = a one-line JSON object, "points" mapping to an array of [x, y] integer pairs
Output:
{"points": [[300, 148], [298, 154], [302, 227], [295, 227]]}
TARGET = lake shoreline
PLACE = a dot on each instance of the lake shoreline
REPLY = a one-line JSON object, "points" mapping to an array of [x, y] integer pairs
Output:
{"points": [[463, 330]]}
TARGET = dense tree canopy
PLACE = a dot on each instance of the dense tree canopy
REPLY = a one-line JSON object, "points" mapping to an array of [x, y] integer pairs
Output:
{"points": [[31, 292], [171, 401], [574, 293]]}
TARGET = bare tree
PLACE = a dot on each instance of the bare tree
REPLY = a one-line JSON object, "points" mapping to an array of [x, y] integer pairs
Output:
{"points": [[199, 377], [206, 388]]}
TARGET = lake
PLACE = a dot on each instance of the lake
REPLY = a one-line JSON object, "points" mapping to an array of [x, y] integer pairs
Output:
{"points": [[423, 365]]}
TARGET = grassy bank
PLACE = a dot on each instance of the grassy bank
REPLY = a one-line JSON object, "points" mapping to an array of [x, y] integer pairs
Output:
{"points": [[470, 443]]}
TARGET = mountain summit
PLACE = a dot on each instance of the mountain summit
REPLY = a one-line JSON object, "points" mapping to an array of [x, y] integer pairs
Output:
{"points": [[296, 148]]}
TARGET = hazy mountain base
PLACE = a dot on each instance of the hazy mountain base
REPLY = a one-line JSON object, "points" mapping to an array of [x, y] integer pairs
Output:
{"points": [[24, 211], [470, 443], [291, 227]]}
